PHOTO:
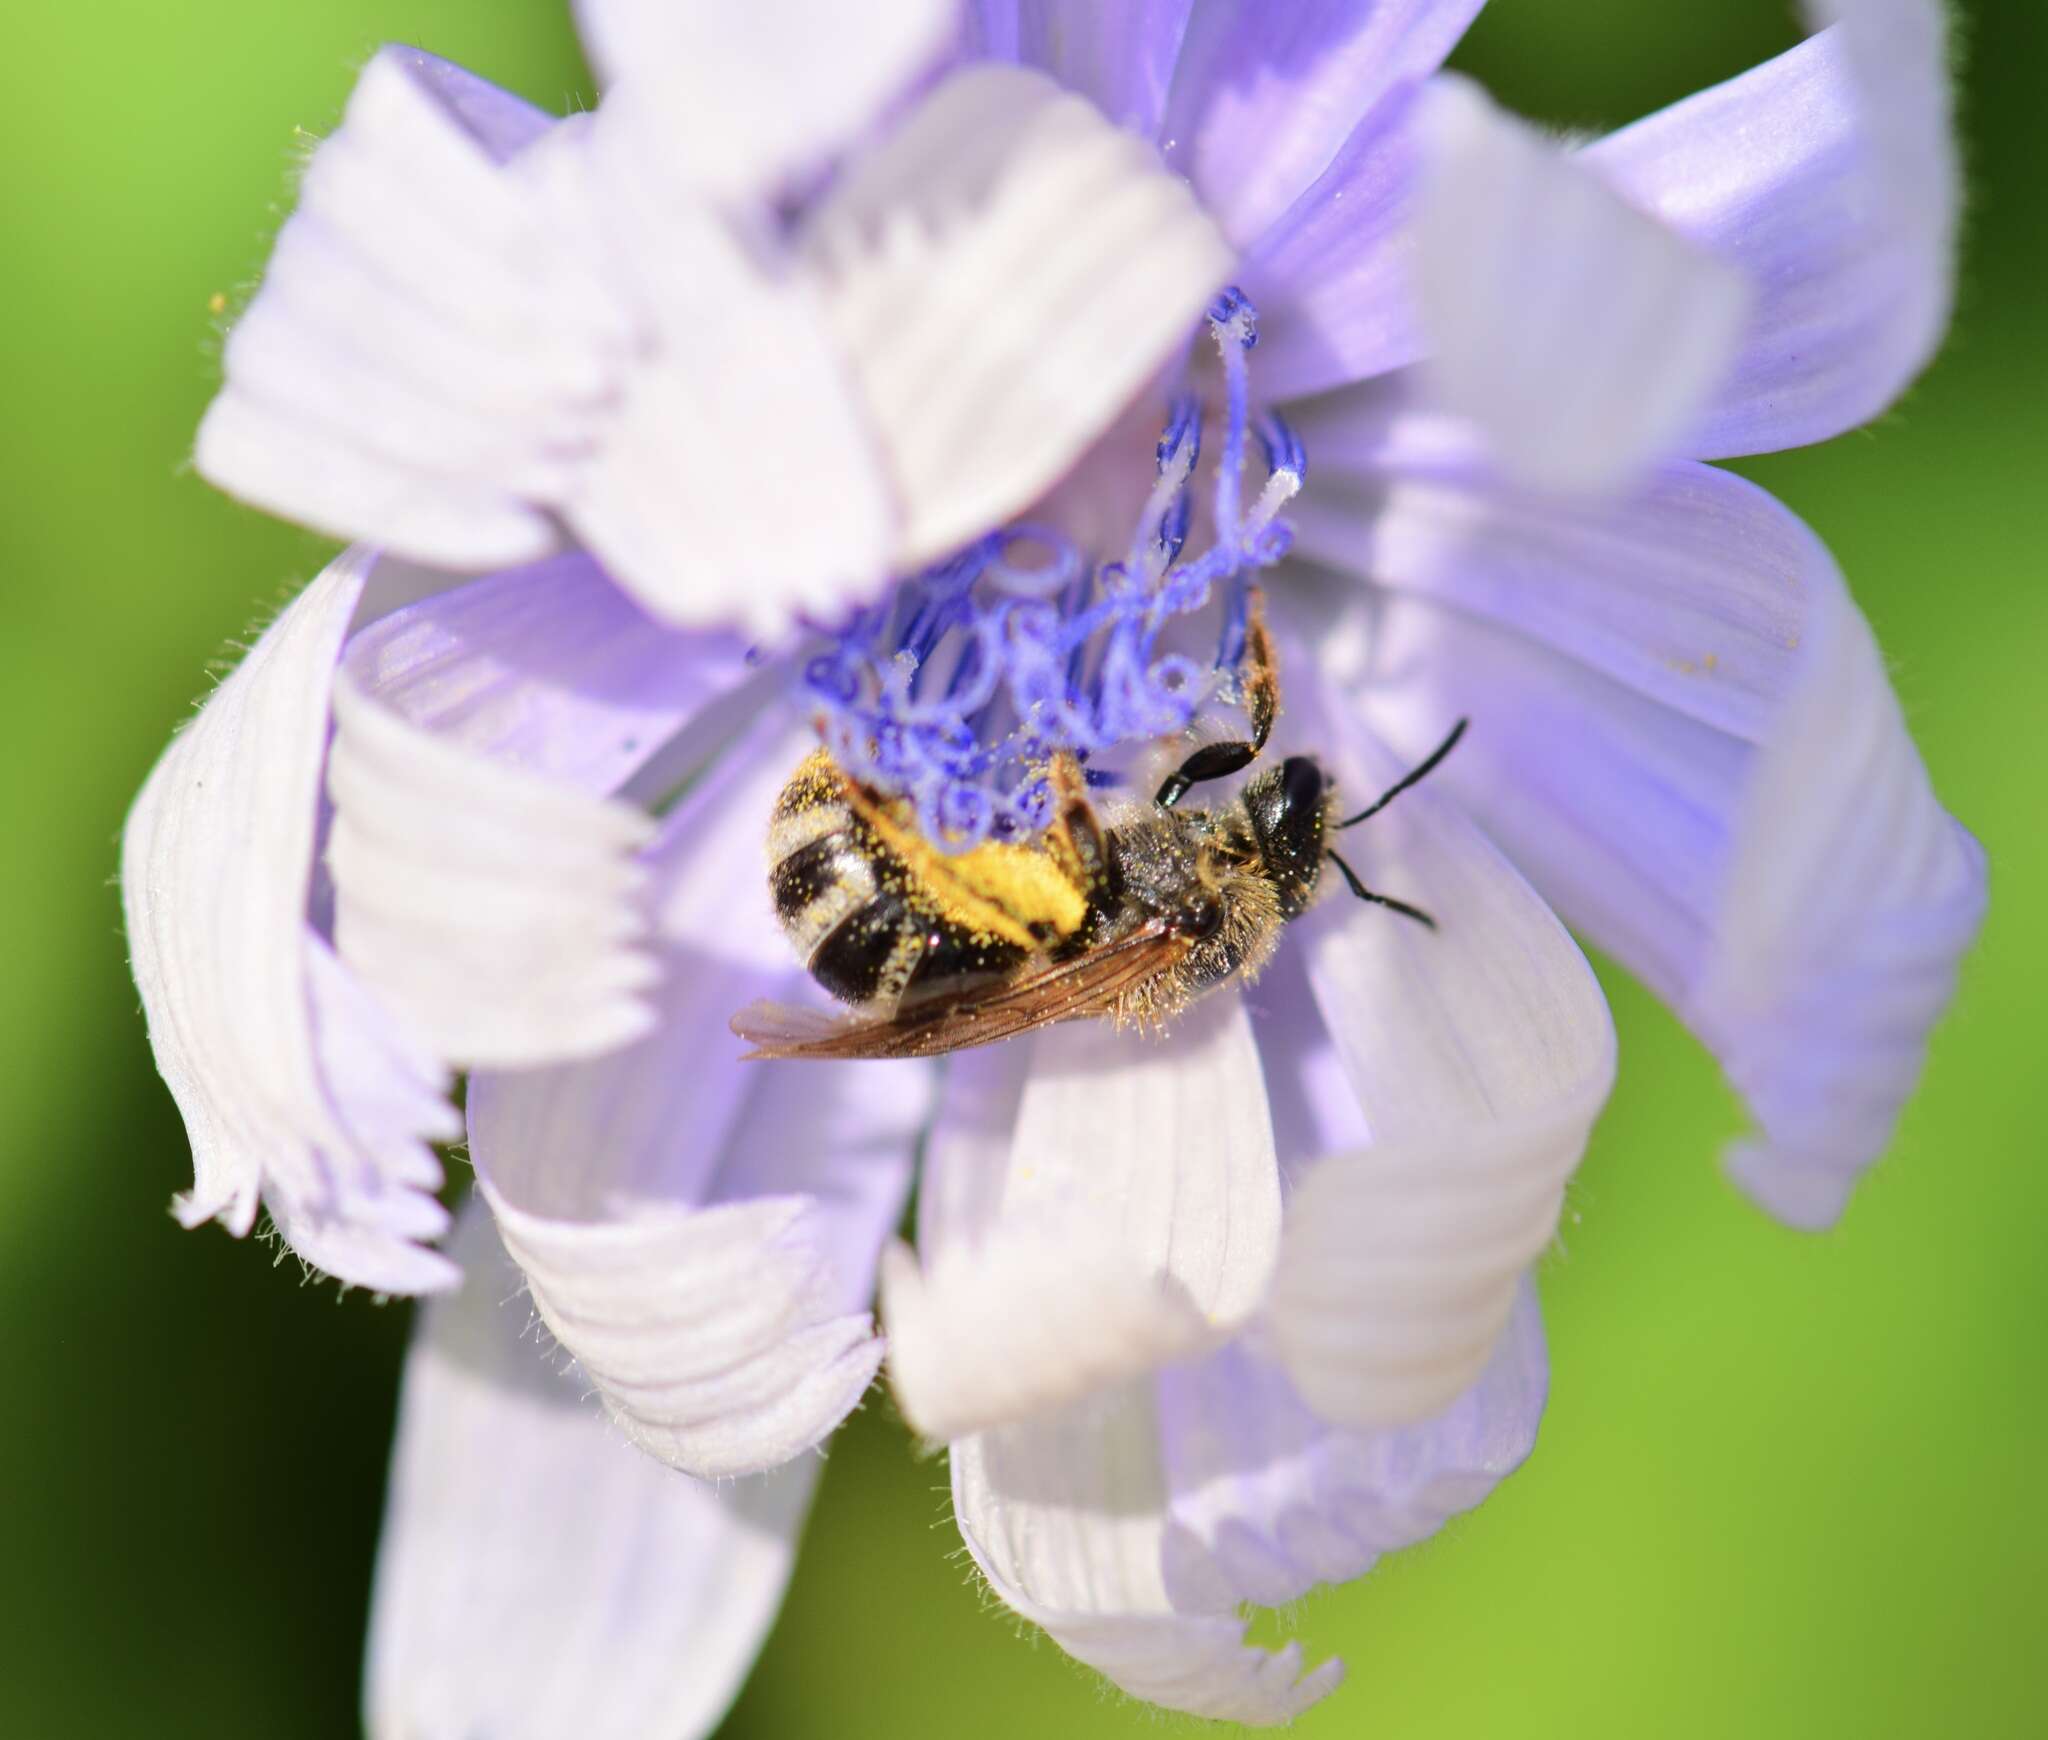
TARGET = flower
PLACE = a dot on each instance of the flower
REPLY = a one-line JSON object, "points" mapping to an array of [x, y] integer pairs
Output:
{"points": [[790, 331]]}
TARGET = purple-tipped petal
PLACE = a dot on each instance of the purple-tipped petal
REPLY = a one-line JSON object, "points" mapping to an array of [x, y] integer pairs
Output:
{"points": [[1096, 1204], [700, 1233], [1272, 1500], [1067, 1518], [1264, 96], [538, 1576], [1000, 192], [1121, 58], [504, 125], [1828, 176], [1581, 336], [1683, 732], [1481, 1052], [736, 100], [298, 1091]]}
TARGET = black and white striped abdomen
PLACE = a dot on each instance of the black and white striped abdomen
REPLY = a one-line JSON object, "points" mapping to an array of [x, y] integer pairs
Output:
{"points": [[850, 907]]}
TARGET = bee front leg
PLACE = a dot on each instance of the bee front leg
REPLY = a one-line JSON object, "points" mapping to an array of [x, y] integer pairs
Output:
{"points": [[1261, 686]]}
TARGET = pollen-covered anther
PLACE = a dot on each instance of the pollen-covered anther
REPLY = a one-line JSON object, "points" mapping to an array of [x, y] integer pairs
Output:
{"points": [[959, 688]]}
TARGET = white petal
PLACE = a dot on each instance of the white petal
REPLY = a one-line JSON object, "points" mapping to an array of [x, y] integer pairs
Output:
{"points": [[736, 99], [538, 1576], [423, 360], [1003, 273], [1829, 176], [1481, 1052], [296, 1090], [500, 912], [1127, 1215], [701, 1233], [1684, 734], [1066, 1517], [1272, 1500], [737, 479], [1581, 335], [449, 350]]}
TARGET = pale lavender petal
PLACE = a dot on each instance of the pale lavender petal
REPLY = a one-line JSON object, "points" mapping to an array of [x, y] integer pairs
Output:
{"points": [[1121, 57], [1481, 1052], [296, 1090], [737, 99], [1002, 192], [1067, 1519], [499, 911], [1334, 277], [538, 1576], [700, 1233], [547, 668], [1828, 175], [1264, 96], [1272, 1500], [1127, 1213], [1583, 337], [1684, 734]]}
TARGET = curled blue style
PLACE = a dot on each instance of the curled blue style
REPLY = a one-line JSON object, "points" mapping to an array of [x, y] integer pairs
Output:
{"points": [[956, 691]]}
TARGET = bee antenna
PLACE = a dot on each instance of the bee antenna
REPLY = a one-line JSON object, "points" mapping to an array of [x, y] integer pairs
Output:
{"points": [[1414, 776], [1364, 893]]}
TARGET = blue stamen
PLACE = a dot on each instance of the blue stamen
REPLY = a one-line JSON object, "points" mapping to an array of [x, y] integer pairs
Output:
{"points": [[958, 691]]}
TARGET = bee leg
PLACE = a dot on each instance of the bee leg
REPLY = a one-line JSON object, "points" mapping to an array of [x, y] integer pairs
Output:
{"points": [[1261, 685], [1074, 837], [1387, 900]]}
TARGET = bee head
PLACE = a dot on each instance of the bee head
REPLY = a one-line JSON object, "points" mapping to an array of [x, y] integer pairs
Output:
{"points": [[1289, 809]]}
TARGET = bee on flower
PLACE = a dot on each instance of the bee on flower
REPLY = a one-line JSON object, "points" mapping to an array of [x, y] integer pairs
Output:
{"points": [[1044, 472]]}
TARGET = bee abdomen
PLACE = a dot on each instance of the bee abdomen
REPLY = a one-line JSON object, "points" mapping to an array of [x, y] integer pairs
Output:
{"points": [[818, 886]]}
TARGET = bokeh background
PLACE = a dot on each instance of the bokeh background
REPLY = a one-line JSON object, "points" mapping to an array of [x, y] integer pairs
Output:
{"points": [[1787, 1486]]}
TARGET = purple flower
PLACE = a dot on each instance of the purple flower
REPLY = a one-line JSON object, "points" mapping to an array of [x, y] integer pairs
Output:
{"points": [[836, 371]]}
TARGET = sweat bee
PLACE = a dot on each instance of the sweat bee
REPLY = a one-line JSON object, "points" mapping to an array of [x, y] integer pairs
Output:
{"points": [[1132, 921]]}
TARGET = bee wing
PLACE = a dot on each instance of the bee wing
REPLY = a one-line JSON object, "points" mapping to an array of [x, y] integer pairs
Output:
{"points": [[1090, 984]]}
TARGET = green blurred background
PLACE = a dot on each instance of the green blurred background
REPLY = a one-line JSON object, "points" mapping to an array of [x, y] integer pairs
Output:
{"points": [[1787, 1485]]}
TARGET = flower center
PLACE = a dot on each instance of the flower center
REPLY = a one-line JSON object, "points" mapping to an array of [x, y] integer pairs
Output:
{"points": [[957, 689]]}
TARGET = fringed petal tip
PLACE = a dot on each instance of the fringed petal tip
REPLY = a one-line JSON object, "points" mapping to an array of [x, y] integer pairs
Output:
{"points": [[301, 1091], [538, 1577], [1096, 1203], [1270, 1500], [701, 1234], [1827, 1070], [1685, 734], [503, 914], [1066, 1517], [966, 1351], [1401, 1265], [709, 1334], [1000, 191]]}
